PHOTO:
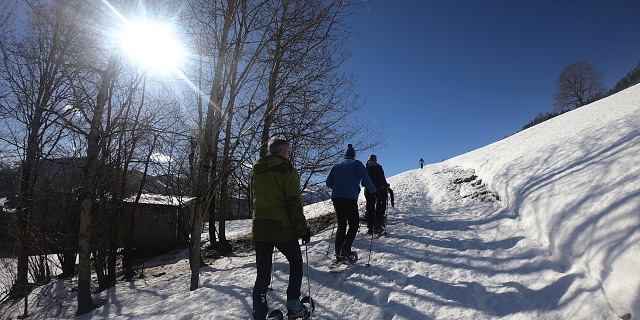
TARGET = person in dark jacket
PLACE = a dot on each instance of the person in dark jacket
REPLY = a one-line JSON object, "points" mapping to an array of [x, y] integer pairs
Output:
{"points": [[278, 221], [376, 201], [421, 163], [344, 181]]}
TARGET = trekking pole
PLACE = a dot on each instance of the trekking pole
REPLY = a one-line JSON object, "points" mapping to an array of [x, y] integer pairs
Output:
{"points": [[370, 249], [393, 206], [375, 215], [273, 267], [386, 217], [330, 237], [306, 252], [311, 303]]}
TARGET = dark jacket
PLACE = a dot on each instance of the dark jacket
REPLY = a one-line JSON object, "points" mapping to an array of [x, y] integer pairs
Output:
{"points": [[345, 177], [276, 200], [377, 177]]}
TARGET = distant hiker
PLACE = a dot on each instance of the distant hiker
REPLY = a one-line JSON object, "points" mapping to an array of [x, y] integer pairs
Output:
{"points": [[421, 163], [278, 221], [344, 181], [377, 200]]}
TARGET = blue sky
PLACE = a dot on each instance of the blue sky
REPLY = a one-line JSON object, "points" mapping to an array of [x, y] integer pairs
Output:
{"points": [[448, 77]]}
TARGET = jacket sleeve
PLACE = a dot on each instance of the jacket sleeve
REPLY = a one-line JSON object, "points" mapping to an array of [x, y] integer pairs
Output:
{"points": [[384, 179], [294, 203], [364, 176], [329, 181]]}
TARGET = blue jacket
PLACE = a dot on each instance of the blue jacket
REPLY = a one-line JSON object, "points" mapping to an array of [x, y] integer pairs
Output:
{"points": [[345, 177]]}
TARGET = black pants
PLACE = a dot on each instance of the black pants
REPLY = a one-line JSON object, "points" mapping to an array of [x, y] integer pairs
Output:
{"points": [[264, 253], [376, 209], [346, 212]]}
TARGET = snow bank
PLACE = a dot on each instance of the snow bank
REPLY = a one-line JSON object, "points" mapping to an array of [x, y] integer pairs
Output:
{"points": [[574, 182]]}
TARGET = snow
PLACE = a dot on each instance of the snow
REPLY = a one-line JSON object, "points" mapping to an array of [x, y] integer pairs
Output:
{"points": [[152, 198], [561, 242]]}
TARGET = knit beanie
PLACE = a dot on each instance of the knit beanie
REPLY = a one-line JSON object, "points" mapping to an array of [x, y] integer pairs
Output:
{"points": [[373, 158], [350, 153]]}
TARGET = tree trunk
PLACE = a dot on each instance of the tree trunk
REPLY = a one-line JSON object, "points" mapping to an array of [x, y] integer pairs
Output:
{"points": [[194, 248], [206, 171], [213, 238], [224, 247], [85, 302], [98, 260]]}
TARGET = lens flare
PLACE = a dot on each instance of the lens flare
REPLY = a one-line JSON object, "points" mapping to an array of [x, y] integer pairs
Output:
{"points": [[152, 46]]}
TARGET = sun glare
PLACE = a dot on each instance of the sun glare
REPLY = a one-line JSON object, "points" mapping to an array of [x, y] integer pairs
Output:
{"points": [[152, 46]]}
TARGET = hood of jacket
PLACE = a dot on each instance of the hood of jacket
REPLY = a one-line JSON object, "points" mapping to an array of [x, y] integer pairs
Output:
{"points": [[265, 163]]}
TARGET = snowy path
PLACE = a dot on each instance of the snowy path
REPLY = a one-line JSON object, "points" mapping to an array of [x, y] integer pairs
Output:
{"points": [[443, 255], [446, 256]]}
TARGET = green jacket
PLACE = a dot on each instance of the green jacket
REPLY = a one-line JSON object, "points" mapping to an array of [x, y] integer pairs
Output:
{"points": [[276, 200]]}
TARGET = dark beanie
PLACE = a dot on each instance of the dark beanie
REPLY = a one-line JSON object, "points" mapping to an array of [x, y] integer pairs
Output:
{"points": [[350, 153], [373, 158]]}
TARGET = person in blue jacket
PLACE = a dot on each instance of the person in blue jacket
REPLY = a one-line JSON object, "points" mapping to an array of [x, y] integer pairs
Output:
{"points": [[344, 180]]}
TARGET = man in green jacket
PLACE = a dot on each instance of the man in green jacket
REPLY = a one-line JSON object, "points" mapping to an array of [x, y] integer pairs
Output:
{"points": [[278, 221]]}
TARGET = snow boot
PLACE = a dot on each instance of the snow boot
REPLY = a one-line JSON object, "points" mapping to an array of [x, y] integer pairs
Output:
{"points": [[260, 305], [351, 257]]}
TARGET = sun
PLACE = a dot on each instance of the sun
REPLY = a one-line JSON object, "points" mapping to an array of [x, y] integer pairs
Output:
{"points": [[153, 46]]}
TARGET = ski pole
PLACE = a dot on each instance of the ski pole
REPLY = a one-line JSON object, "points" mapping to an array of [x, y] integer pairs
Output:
{"points": [[273, 267], [330, 237], [370, 249], [375, 215], [386, 216], [306, 252]]}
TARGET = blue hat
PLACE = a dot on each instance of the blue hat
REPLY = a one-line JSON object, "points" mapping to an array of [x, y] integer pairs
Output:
{"points": [[350, 153]]}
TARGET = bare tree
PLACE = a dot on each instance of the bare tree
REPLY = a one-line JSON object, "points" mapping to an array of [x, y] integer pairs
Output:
{"points": [[212, 23], [7, 16], [236, 121], [578, 84], [309, 98], [93, 98], [34, 63], [289, 83], [267, 66], [119, 132]]}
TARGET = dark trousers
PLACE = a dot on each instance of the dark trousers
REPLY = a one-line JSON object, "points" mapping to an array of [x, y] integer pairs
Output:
{"points": [[376, 209], [346, 212], [264, 253]]}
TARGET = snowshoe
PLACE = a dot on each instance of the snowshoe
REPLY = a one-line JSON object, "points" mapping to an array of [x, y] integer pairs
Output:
{"points": [[341, 263], [308, 302], [351, 257], [339, 267], [302, 314], [275, 315]]}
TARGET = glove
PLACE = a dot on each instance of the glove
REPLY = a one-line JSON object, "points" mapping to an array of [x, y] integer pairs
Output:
{"points": [[306, 237]]}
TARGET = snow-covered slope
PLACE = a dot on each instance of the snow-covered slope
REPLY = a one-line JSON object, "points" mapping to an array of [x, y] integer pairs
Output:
{"points": [[574, 182]]}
